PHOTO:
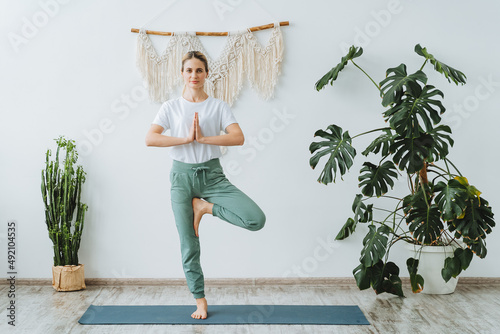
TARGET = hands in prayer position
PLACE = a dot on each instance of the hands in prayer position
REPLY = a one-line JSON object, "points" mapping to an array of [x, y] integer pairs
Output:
{"points": [[195, 131]]}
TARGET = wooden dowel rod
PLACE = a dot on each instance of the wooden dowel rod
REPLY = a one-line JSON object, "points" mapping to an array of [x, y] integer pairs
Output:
{"points": [[201, 33]]}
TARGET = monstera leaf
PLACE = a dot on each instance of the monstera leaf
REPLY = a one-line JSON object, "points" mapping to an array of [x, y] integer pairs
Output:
{"points": [[465, 256], [346, 230], [423, 218], [362, 213], [453, 266], [409, 153], [449, 72], [386, 279], [363, 276], [416, 280], [338, 146], [451, 199], [377, 178], [382, 142], [418, 104], [439, 149], [392, 86], [374, 245], [471, 190], [477, 221], [382, 277], [332, 75]]}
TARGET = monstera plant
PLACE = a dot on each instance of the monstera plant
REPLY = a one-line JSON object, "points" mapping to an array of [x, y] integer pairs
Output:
{"points": [[441, 207]]}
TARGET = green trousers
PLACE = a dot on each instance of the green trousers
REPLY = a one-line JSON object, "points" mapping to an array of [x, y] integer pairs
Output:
{"points": [[206, 180]]}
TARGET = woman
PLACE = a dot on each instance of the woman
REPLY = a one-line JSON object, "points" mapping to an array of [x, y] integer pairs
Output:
{"points": [[198, 184]]}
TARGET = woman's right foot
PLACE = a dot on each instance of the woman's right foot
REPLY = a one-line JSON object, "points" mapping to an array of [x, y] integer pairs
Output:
{"points": [[201, 310], [200, 207]]}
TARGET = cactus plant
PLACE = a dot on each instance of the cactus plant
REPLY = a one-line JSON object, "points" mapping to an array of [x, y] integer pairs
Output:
{"points": [[61, 192]]}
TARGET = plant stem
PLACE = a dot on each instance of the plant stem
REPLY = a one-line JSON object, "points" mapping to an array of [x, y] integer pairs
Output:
{"points": [[386, 196], [447, 171], [438, 175], [411, 183], [367, 132], [422, 175], [391, 212], [380, 90], [425, 197], [446, 160], [447, 167], [425, 62], [399, 227], [399, 237]]}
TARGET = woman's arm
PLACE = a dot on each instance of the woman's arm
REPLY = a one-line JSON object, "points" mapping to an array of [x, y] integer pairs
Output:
{"points": [[233, 137], [155, 138]]}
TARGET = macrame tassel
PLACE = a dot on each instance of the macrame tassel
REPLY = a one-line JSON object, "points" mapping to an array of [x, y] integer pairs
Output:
{"points": [[160, 74], [226, 79], [263, 65], [151, 68]]}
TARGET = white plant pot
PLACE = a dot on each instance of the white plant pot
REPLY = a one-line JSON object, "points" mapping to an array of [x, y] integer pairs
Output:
{"points": [[430, 265]]}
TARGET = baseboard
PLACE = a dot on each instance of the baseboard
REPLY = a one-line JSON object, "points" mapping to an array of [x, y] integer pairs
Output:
{"points": [[308, 281]]}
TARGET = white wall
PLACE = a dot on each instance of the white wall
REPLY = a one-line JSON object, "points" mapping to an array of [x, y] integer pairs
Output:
{"points": [[78, 70]]}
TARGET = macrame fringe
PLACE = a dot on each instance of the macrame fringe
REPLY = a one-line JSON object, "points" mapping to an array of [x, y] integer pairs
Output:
{"points": [[263, 65], [225, 83], [160, 74], [241, 55]]}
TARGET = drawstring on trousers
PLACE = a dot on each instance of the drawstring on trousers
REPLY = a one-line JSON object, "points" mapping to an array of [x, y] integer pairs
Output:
{"points": [[196, 170]]}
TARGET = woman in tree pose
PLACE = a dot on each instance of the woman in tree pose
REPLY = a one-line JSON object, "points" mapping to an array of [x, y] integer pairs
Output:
{"points": [[198, 183]]}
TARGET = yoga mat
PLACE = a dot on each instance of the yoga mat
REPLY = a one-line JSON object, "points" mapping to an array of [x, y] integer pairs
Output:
{"points": [[224, 315]]}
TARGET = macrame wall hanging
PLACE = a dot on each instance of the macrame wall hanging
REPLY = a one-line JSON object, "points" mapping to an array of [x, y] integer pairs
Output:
{"points": [[242, 57]]}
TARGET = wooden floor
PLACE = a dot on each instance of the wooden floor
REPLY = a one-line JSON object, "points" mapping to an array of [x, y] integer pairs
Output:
{"points": [[473, 308]]}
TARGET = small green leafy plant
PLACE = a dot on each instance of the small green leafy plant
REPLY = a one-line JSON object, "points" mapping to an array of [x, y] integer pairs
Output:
{"points": [[442, 210], [61, 192]]}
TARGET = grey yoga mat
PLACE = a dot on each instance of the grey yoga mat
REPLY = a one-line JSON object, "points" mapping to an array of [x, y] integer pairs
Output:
{"points": [[224, 314]]}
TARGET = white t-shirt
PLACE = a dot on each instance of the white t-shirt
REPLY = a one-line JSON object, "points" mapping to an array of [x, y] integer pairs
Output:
{"points": [[177, 115]]}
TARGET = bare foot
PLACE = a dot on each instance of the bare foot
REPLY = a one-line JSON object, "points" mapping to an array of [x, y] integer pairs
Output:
{"points": [[201, 310], [200, 207]]}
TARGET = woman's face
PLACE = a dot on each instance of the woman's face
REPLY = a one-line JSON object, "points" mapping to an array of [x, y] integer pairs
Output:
{"points": [[194, 73]]}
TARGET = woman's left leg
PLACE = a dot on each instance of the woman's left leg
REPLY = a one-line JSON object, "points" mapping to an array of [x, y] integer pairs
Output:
{"points": [[231, 204]]}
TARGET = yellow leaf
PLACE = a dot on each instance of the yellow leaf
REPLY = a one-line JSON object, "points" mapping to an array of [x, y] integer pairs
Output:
{"points": [[473, 191], [463, 180]]}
